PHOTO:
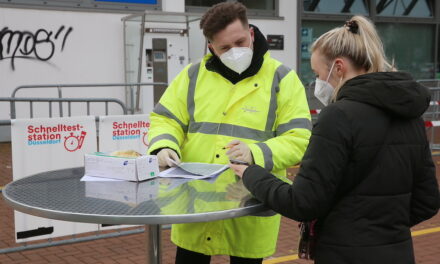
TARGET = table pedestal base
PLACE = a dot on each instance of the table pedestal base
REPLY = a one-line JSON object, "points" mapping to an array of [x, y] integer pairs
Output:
{"points": [[153, 237]]}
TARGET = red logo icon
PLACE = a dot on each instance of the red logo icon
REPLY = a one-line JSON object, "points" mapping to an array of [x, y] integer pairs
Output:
{"points": [[145, 138], [73, 143]]}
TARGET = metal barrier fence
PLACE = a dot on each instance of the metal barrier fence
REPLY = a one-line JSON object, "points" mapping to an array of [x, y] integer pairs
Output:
{"points": [[432, 114], [50, 101], [132, 98], [68, 103]]}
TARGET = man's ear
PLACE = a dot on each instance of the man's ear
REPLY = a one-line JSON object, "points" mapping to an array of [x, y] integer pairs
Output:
{"points": [[211, 48], [251, 30]]}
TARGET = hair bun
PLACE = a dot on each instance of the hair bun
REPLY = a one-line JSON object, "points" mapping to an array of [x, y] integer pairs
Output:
{"points": [[352, 26]]}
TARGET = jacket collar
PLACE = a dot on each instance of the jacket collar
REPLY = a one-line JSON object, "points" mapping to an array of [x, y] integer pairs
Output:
{"points": [[214, 63]]}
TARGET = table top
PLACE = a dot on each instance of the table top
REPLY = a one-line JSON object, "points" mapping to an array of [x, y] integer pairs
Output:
{"points": [[61, 195]]}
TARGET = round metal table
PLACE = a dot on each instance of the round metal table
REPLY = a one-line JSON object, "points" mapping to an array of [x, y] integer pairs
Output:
{"points": [[61, 195]]}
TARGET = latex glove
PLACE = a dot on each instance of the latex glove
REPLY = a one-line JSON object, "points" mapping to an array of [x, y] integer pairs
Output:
{"points": [[240, 151], [166, 157]]}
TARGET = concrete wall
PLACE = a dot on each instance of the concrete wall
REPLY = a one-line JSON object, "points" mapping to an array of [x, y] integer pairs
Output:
{"points": [[59, 47]]}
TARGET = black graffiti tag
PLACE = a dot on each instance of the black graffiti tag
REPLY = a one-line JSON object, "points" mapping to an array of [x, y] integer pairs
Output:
{"points": [[40, 45]]}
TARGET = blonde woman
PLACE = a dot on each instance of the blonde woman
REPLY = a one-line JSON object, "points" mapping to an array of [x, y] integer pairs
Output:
{"points": [[367, 175]]}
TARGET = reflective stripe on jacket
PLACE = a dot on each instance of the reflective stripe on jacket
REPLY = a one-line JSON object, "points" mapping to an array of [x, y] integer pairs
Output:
{"points": [[201, 112]]}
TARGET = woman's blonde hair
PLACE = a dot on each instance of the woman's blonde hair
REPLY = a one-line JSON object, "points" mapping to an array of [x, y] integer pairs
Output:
{"points": [[358, 41]]}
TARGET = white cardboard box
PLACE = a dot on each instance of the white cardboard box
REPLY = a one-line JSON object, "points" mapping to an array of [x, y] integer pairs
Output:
{"points": [[131, 169]]}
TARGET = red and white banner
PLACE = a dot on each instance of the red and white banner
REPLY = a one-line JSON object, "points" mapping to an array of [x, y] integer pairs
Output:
{"points": [[123, 132], [432, 123], [315, 111], [44, 144]]}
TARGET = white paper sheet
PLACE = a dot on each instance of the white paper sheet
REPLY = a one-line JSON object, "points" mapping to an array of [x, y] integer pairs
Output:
{"points": [[192, 170], [97, 179]]}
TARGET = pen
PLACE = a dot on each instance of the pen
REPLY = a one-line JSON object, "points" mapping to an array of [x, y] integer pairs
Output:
{"points": [[229, 146], [173, 161]]}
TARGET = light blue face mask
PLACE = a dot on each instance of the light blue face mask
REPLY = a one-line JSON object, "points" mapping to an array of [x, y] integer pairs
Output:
{"points": [[323, 89]]}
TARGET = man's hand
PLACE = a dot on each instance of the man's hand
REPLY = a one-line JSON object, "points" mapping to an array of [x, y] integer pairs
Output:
{"points": [[240, 151], [166, 157]]}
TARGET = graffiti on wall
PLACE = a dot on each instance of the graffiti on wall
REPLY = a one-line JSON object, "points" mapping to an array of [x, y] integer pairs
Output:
{"points": [[40, 45]]}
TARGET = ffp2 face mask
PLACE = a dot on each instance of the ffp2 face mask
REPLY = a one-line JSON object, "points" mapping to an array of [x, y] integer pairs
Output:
{"points": [[323, 89], [238, 59]]}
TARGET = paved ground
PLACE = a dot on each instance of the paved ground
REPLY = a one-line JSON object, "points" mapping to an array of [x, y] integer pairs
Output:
{"points": [[130, 249]]}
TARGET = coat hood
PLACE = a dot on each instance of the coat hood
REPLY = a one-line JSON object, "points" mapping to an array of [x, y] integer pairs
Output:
{"points": [[397, 93]]}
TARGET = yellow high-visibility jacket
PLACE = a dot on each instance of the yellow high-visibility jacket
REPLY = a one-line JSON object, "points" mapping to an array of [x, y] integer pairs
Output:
{"points": [[201, 112]]}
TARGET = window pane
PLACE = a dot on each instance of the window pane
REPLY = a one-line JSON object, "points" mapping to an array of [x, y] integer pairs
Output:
{"points": [[336, 6], [259, 4], [251, 4], [310, 31], [416, 55], [411, 8], [438, 57], [202, 2], [147, 2]]}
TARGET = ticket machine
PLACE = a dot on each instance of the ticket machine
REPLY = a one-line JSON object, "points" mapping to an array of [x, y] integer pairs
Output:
{"points": [[158, 53], [166, 54]]}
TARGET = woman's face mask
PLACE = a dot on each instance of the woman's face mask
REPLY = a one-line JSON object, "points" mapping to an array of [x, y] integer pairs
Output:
{"points": [[238, 59], [323, 89]]}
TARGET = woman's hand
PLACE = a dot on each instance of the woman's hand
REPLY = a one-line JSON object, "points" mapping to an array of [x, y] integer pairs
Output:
{"points": [[238, 169]]}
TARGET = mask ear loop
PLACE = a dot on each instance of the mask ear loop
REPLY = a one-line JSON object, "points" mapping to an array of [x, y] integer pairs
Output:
{"points": [[328, 78], [337, 89], [330, 72], [250, 40], [250, 37]]}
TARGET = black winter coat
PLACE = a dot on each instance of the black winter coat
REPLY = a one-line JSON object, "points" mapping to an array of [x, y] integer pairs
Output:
{"points": [[367, 174]]}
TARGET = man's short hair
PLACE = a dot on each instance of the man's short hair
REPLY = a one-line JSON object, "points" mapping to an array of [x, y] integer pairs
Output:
{"points": [[219, 16]]}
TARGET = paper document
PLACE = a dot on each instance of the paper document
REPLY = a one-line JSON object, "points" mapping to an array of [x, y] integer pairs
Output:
{"points": [[192, 170], [98, 179]]}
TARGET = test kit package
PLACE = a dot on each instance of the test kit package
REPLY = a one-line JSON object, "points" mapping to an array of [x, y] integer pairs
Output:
{"points": [[139, 168]]}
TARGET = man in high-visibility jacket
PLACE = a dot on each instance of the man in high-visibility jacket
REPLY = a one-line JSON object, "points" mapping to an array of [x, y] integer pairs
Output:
{"points": [[237, 103]]}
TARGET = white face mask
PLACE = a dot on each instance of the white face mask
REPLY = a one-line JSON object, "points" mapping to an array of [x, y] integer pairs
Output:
{"points": [[323, 89], [238, 59]]}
